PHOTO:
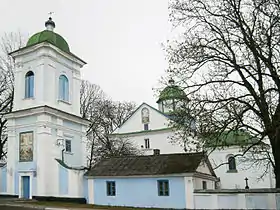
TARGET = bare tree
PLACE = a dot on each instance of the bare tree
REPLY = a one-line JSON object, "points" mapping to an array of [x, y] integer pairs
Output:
{"points": [[90, 95], [105, 116], [9, 42], [227, 60]]}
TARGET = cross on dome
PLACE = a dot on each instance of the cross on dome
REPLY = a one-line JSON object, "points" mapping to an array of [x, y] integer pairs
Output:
{"points": [[50, 24]]}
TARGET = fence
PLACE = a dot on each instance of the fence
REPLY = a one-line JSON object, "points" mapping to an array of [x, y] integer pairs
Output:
{"points": [[237, 199]]}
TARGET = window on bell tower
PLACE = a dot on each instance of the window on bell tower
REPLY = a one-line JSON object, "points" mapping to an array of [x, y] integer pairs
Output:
{"points": [[29, 85], [63, 88]]}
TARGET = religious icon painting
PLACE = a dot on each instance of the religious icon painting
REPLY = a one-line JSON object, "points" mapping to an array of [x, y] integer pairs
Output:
{"points": [[26, 146], [145, 116]]}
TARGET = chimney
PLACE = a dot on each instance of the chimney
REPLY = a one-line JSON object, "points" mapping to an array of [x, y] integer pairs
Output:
{"points": [[156, 152]]}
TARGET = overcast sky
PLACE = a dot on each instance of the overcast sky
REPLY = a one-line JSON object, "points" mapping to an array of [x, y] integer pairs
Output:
{"points": [[119, 39]]}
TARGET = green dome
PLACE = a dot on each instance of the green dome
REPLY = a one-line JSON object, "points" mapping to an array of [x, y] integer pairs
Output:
{"points": [[171, 92], [51, 37]]}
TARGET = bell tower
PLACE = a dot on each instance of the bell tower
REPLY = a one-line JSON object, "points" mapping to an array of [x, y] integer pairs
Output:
{"points": [[47, 73], [46, 134]]}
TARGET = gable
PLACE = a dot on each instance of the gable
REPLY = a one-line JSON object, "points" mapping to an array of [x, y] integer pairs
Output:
{"points": [[203, 168], [157, 121]]}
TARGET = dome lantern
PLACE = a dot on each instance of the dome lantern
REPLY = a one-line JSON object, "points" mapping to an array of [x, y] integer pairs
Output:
{"points": [[50, 24], [171, 81], [171, 97]]}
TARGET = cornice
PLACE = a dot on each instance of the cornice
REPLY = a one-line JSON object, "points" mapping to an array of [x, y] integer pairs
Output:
{"points": [[32, 49], [47, 110]]}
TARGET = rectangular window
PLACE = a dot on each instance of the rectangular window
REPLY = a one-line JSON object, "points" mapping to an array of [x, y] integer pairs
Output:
{"points": [[111, 188], [67, 145], [163, 187], [204, 185], [147, 143], [146, 127]]}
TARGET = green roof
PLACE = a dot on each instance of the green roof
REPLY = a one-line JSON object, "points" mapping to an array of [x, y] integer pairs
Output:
{"points": [[230, 138], [171, 92], [51, 37]]}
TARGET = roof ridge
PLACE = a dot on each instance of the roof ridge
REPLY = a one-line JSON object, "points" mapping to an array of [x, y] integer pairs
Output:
{"points": [[164, 154]]}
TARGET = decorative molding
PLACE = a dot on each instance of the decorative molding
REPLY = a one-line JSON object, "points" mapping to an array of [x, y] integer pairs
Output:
{"points": [[50, 47], [48, 124], [47, 110], [142, 132]]}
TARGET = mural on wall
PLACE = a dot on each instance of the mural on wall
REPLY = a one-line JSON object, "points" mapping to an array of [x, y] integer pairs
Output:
{"points": [[145, 116], [26, 146]]}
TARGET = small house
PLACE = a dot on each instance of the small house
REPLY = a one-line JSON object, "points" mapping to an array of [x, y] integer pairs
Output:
{"points": [[159, 180]]}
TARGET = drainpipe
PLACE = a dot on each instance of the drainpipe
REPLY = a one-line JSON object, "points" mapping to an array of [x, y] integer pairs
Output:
{"points": [[62, 155]]}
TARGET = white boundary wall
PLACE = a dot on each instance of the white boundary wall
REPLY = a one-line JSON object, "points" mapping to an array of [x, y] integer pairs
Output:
{"points": [[237, 199]]}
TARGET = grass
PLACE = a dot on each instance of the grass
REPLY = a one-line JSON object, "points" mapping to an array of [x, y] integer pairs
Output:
{"points": [[83, 206]]}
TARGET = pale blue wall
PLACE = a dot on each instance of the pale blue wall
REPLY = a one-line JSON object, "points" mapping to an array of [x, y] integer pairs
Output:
{"points": [[26, 166], [34, 185], [25, 120], [141, 192], [63, 180], [72, 125], [74, 158], [3, 172], [85, 188], [16, 180]]}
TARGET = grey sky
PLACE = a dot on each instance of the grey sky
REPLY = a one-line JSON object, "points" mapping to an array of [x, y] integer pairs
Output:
{"points": [[120, 39]]}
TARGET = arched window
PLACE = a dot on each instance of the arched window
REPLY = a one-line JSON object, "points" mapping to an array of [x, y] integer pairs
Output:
{"points": [[29, 84], [231, 163], [63, 88]]}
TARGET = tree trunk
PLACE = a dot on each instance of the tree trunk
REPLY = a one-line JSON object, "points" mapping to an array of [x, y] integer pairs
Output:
{"points": [[275, 144], [277, 166]]}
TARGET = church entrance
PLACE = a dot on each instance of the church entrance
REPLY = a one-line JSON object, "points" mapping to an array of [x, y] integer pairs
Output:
{"points": [[25, 187]]}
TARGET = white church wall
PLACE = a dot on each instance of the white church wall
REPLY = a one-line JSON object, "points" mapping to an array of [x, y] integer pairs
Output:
{"points": [[232, 180], [134, 123], [76, 190], [157, 140], [198, 183]]}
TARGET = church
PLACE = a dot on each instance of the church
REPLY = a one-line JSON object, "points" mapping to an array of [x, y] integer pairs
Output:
{"points": [[149, 129], [46, 155]]}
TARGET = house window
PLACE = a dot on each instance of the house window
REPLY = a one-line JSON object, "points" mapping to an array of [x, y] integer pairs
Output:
{"points": [[163, 188], [29, 84], [63, 88], [204, 185], [146, 127], [147, 143], [231, 164], [68, 145], [111, 188]]}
